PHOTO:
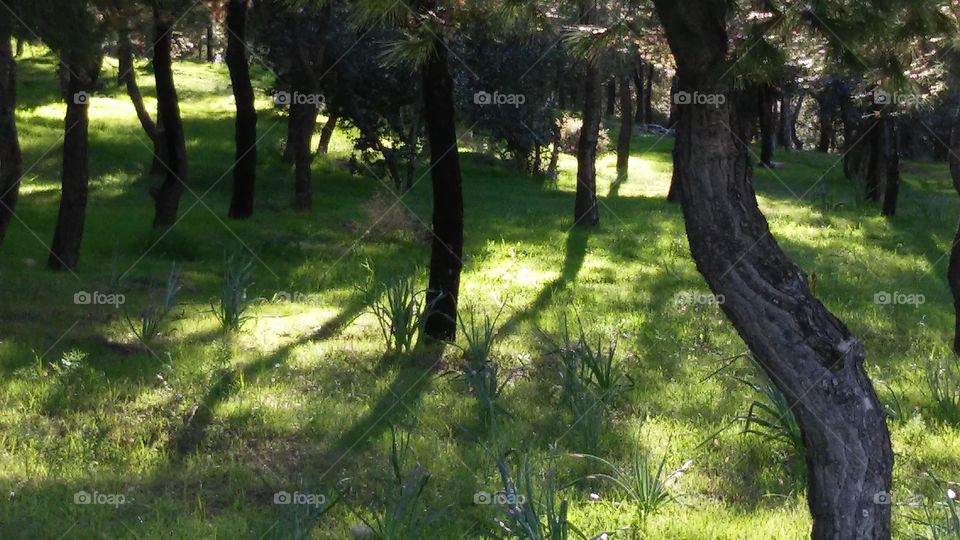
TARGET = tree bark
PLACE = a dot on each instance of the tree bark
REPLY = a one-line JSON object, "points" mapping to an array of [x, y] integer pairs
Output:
{"points": [[245, 166], [876, 166], [586, 213], [326, 133], [794, 118], [953, 270], [174, 157], [768, 118], [648, 95], [638, 84], [210, 56], [65, 249], [807, 352], [783, 128], [611, 101], [447, 249], [128, 77], [891, 189], [10, 157], [306, 118], [626, 128]]}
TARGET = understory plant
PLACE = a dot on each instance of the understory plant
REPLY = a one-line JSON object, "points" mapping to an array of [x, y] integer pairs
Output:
{"points": [[147, 327], [399, 307], [480, 369], [231, 307], [942, 381]]}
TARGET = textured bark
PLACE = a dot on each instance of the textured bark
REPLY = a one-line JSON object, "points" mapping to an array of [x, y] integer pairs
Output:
{"points": [[65, 249], [128, 77], [447, 249], [953, 270], [807, 352], [245, 166], [626, 128], [586, 213], [10, 157], [174, 157]]}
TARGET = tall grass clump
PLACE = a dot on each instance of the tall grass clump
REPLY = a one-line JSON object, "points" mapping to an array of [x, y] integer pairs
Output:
{"points": [[147, 327], [230, 309]]}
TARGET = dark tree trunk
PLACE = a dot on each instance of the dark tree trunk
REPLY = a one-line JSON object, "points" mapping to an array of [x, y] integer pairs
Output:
{"points": [[245, 166], [638, 85], [768, 118], [306, 118], [877, 164], [626, 128], [807, 352], [294, 123], [10, 158], [326, 133], [167, 197], [611, 88], [447, 249], [210, 42], [953, 270], [65, 249], [674, 116], [891, 190], [827, 130], [586, 213], [128, 77], [794, 118], [784, 140], [648, 95]]}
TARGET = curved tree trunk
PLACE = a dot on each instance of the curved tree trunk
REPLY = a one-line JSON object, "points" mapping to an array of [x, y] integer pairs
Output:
{"points": [[245, 166], [626, 128], [953, 270], [326, 133], [167, 197], [586, 213], [807, 352], [65, 249], [128, 77], [10, 158], [447, 249]]}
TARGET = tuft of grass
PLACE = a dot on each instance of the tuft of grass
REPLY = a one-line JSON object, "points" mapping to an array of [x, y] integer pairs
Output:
{"points": [[534, 509], [942, 384], [231, 307], [480, 369], [147, 328], [399, 308]]}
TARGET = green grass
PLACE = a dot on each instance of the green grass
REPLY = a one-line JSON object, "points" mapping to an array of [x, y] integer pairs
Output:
{"points": [[198, 432]]}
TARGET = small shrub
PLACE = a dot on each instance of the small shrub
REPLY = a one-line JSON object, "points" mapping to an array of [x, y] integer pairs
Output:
{"points": [[769, 415], [399, 307], [147, 328], [480, 369], [570, 135], [534, 509], [231, 308], [386, 218]]}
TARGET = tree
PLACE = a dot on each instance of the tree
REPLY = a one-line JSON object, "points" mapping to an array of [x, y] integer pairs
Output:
{"points": [[586, 212], [10, 158], [128, 77], [174, 159], [245, 165], [626, 123], [72, 30], [809, 354]]}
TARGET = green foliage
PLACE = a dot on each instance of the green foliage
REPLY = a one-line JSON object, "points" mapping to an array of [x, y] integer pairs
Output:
{"points": [[942, 381], [231, 307], [480, 368], [534, 509], [770, 415], [399, 307], [151, 319], [939, 519]]}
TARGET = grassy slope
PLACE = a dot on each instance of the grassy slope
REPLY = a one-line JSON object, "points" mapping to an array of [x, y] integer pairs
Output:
{"points": [[295, 413]]}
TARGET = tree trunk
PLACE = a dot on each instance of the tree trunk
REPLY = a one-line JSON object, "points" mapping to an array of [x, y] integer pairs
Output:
{"points": [[674, 116], [611, 89], [306, 118], [626, 128], [555, 135], [65, 249], [768, 118], [877, 164], [648, 95], [891, 145], [586, 213], [128, 77], [953, 270], [10, 158], [807, 352], [794, 118], [783, 127], [294, 122], [638, 84], [245, 166], [210, 42], [447, 249], [326, 133], [827, 130], [167, 197]]}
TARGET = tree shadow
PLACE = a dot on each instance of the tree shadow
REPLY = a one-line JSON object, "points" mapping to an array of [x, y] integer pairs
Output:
{"points": [[576, 252]]}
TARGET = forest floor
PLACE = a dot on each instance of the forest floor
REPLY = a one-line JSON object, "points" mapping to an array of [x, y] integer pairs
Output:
{"points": [[304, 400]]}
